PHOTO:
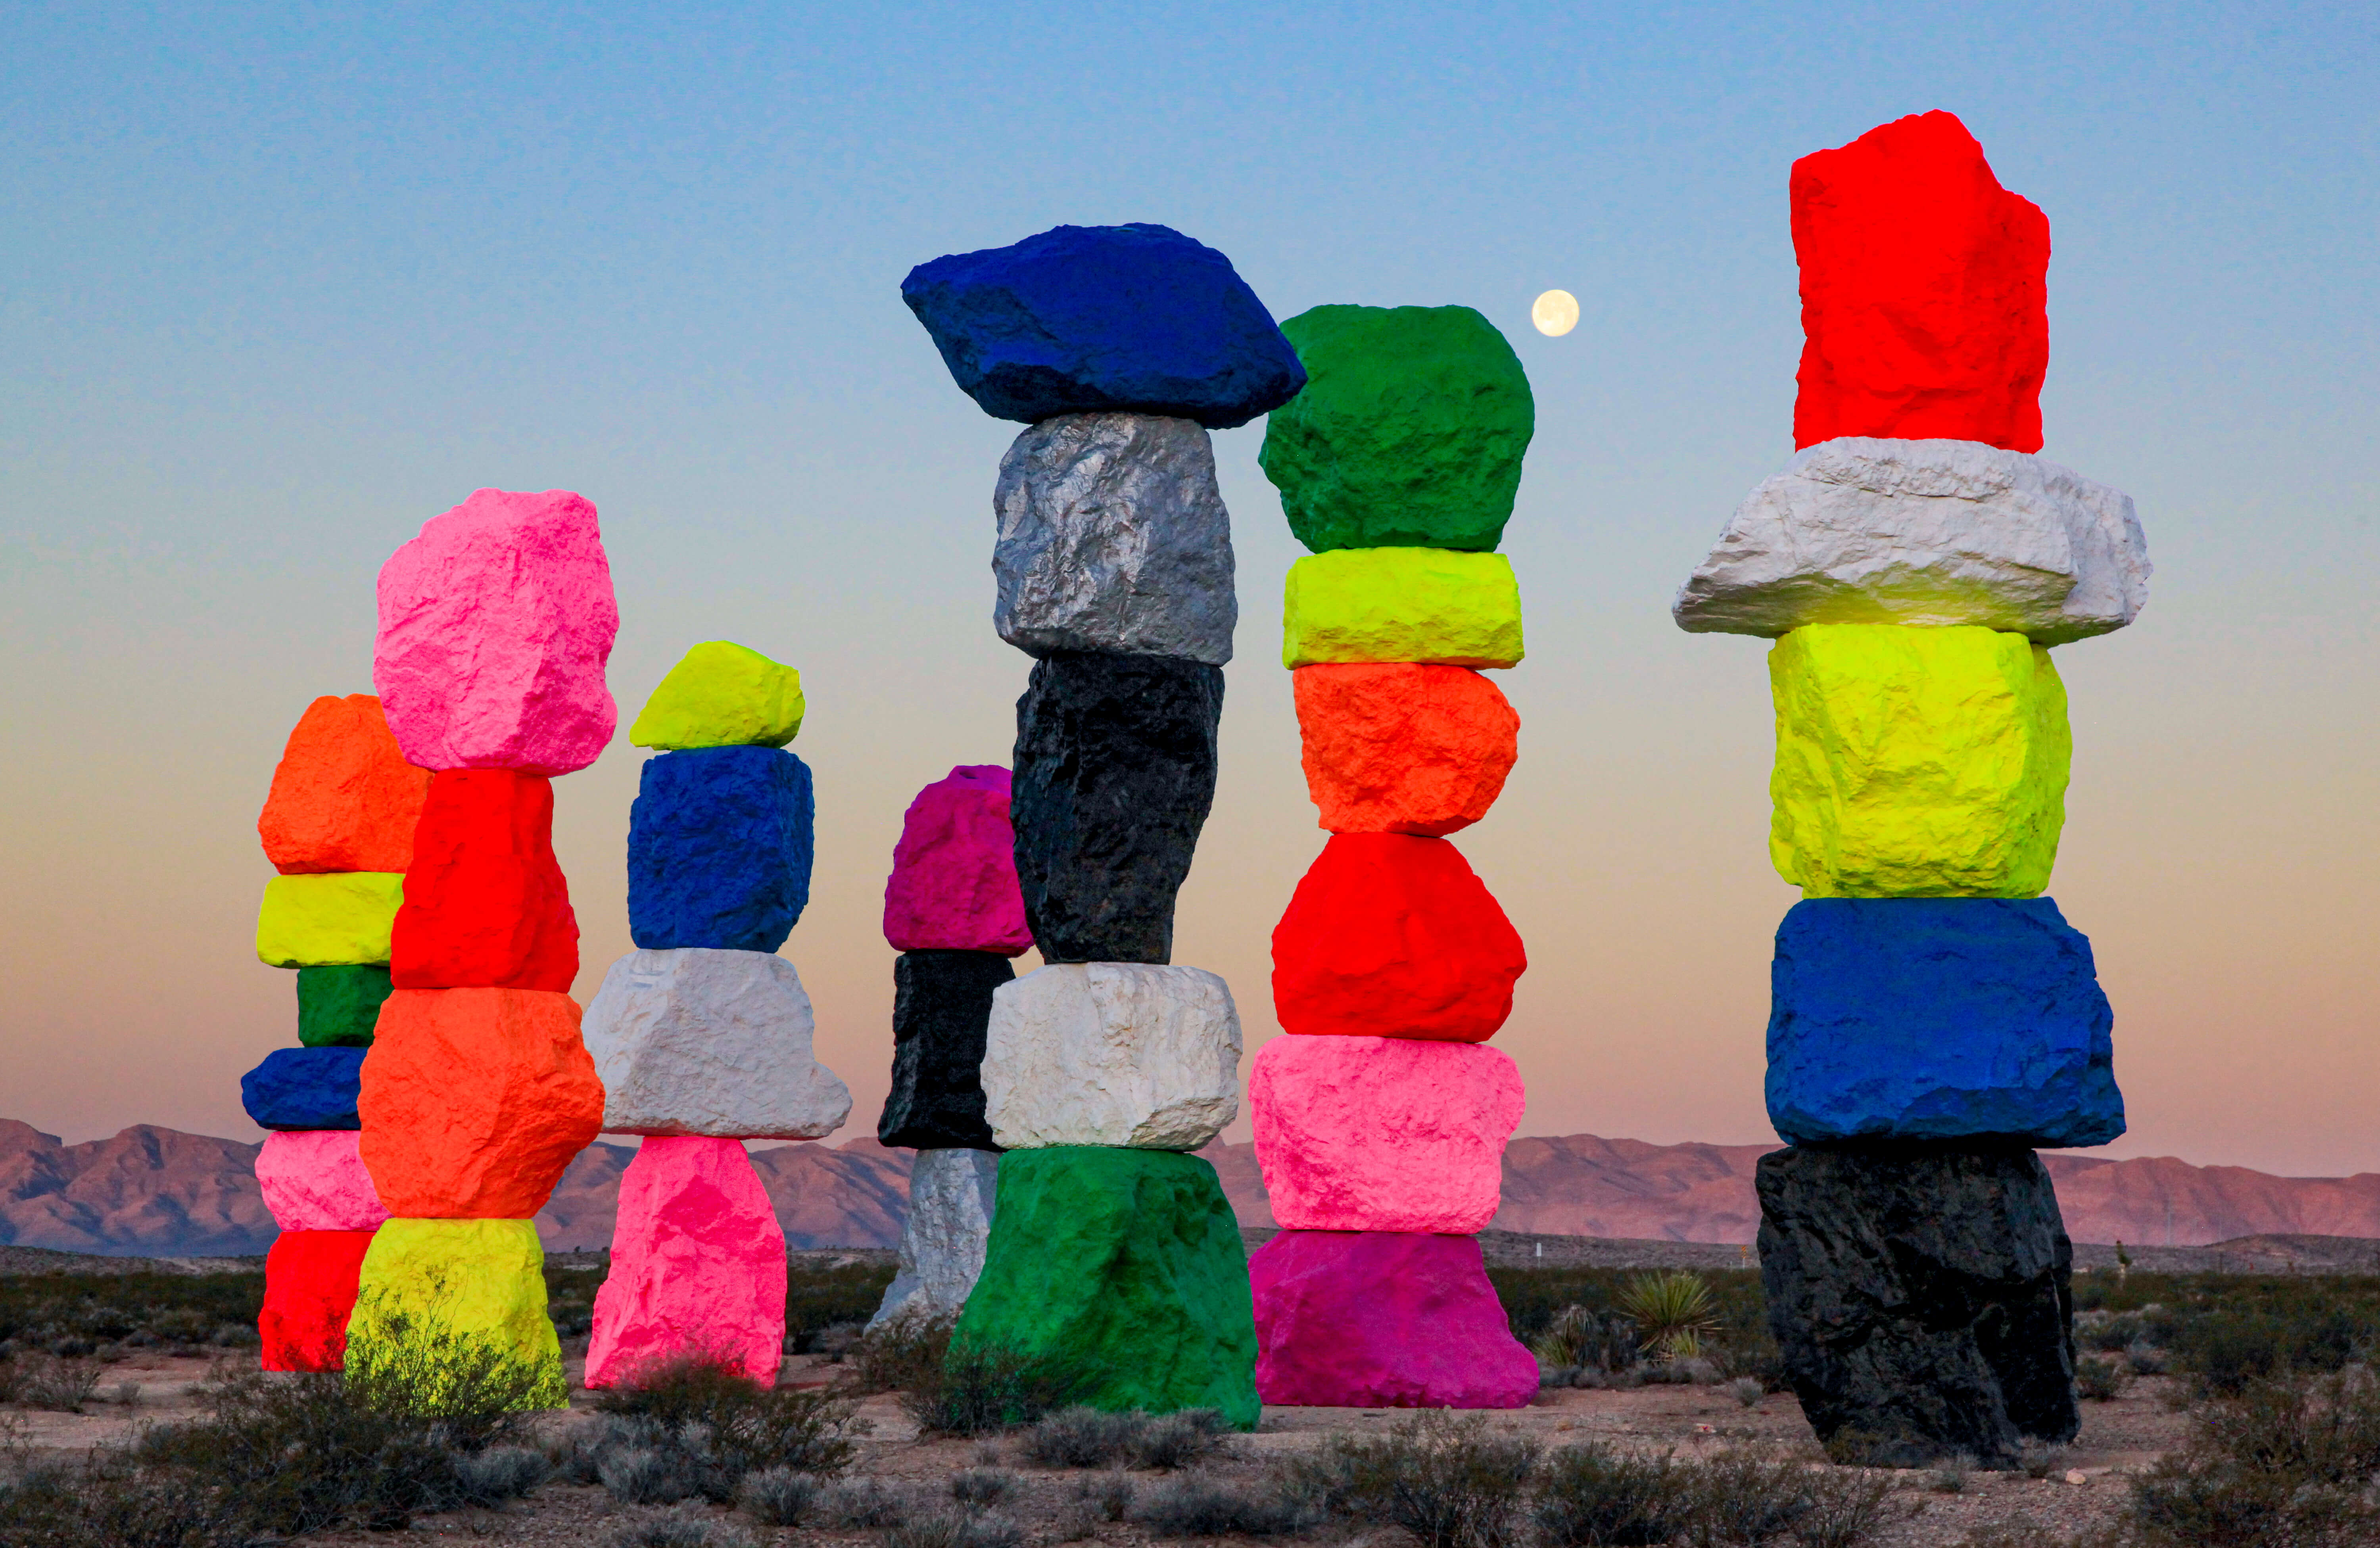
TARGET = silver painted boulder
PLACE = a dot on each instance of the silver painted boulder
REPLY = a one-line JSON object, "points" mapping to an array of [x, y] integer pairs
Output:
{"points": [[1134, 1053], [696, 1041], [951, 1195]]}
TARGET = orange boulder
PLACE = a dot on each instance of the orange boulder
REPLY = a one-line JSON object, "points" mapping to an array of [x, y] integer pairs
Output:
{"points": [[474, 1101], [1399, 747], [344, 797]]}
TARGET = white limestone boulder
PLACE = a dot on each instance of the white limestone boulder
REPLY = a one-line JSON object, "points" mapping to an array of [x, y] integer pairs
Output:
{"points": [[1131, 1054], [697, 1040], [1862, 530], [951, 1197]]}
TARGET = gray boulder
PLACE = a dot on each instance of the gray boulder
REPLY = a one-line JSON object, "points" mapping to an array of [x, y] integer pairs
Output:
{"points": [[696, 1041], [951, 1197]]}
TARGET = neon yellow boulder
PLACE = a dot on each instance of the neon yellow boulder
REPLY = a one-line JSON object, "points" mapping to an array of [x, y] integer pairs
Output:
{"points": [[437, 1298], [1427, 604], [722, 694], [1916, 762], [329, 919]]}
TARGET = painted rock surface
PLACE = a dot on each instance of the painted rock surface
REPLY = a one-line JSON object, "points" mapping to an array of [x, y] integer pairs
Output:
{"points": [[1409, 433], [951, 1198], [953, 883], [1939, 1018], [1383, 1133], [694, 1042], [1111, 1054], [342, 798], [1916, 762], [1426, 604], [474, 1101], [338, 1007], [1389, 935], [316, 1181], [485, 904], [1127, 1264], [303, 1087], [698, 1265], [720, 844], [1402, 748], [495, 624], [310, 1289], [1382, 1320], [1924, 298], [326, 920], [1092, 319], [474, 1282], [722, 694], [942, 1014]]}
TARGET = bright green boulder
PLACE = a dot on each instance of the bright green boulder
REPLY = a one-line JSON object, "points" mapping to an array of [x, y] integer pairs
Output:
{"points": [[1409, 433], [1127, 1266], [1423, 604], [338, 1007], [722, 694]]}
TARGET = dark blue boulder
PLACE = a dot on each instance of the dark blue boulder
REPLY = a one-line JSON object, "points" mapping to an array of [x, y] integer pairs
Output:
{"points": [[1939, 1018], [1085, 319], [305, 1088], [719, 848]]}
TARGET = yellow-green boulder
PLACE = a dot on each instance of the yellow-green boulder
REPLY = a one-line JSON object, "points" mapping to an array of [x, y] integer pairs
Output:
{"points": [[1427, 604], [330, 919], [1916, 762], [459, 1302], [722, 694]]}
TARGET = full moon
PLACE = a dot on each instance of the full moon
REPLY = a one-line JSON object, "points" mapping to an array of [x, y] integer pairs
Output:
{"points": [[1555, 312]]}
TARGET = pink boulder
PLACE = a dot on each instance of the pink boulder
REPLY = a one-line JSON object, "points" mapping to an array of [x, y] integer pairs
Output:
{"points": [[954, 886], [495, 628], [1382, 1133], [698, 1265], [1383, 1319], [314, 1180]]}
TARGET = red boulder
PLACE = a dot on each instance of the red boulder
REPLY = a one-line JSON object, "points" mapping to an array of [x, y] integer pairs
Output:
{"points": [[485, 903], [309, 1288]]}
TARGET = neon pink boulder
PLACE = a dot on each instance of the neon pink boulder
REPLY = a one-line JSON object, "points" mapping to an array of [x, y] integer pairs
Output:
{"points": [[1383, 1319], [954, 886], [698, 1264], [1382, 1133], [314, 1180], [495, 624]]}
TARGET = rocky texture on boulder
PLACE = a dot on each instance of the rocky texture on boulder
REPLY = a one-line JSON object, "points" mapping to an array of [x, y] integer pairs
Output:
{"points": [[1098, 318], [1111, 1054], [495, 624], [485, 903], [1396, 747], [1113, 537], [720, 845], [1114, 775], [1916, 762], [331, 920], [1409, 433], [337, 1007], [343, 797], [1859, 531], [1411, 604], [698, 1266], [942, 1014], [1383, 1319], [695, 1042], [1920, 1298], [316, 1181], [303, 1087], [954, 882], [1925, 297], [480, 1281], [1127, 1266], [309, 1288], [722, 694], [953, 1194]]}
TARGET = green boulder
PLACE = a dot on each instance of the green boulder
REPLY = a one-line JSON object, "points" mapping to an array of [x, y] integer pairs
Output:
{"points": [[1127, 1266], [337, 1007], [1409, 433]]}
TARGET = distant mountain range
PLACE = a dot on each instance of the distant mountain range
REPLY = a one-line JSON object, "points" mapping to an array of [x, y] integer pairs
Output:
{"points": [[159, 1192]]}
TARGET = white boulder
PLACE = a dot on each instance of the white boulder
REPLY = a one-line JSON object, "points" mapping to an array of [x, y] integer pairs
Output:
{"points": [[1127, 1053], [697, 1040], [951, 1197], [1862, 530]]}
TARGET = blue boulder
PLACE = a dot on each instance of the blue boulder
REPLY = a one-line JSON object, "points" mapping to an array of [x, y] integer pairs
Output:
{"points": [[1939, 1018], [305, 1088], [1087, 319], [720, 844]]}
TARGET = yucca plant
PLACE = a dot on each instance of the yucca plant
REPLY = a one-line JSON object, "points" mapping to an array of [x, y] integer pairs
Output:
{"points": [[1673, 1310]]}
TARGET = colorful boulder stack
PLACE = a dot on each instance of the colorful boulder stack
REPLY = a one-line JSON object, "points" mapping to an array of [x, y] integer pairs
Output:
{"points": [[338, 827], [1381, 1119], [1112, 1247], [495, 624], [703, 1034], [1934, 1019]]}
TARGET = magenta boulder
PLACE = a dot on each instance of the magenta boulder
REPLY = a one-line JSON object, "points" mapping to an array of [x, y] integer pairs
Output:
{"points": [[698, 1265], [1383, 1319], [954, 886]]}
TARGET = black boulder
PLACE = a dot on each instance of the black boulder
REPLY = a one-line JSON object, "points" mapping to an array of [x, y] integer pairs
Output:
{"points": [[941, 1006]]}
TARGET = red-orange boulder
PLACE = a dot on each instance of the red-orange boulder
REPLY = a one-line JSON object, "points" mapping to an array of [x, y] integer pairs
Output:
{"points": [[1924, 294], [474, 1101], [1399, 747], [1389, 935], [485, 903], [344, 797], [310, 1289]]}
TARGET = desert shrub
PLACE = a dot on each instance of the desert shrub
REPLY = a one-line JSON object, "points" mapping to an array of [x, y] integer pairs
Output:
{"points": [[778, 1496], [656, 1475], [1448, 1481], [1746, 1392], [1593, 1495], [499, 1474], [1580, 1338], [61, 1385], [1081, 1437], [820, 1299], [898, 1356], [860, 1502], [1673, 1310], [477, 1389], [1110, 1498], [2280, 1463], [1845, 1510], [2039, 1459], [1177, 1440], [2109, 1331], [1951, 1473], [950, 1529], [713, 1424], [2100, 1378], [978, 1389], [1738, 1497], [107, 1503], [1206, 1507], [981, 1486], [678, 1531], [2145, 1358]]}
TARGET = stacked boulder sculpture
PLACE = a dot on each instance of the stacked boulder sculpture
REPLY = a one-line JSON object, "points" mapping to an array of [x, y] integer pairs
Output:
{"points": [[703, 1034], [1381, 1118], [338, 827], [1934, 1018], [1112, 1248]]}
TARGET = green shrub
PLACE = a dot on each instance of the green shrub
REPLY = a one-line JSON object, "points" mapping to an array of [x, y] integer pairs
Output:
{"points": [[1206, 1507], [1448, 1481], [977, 1389], [1080, 1437], [1591, 1497], [698, 1425], [2279, 1464]]}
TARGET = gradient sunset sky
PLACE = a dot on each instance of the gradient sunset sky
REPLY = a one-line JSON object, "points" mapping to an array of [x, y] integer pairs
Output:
{"points": [[281, 283]]}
